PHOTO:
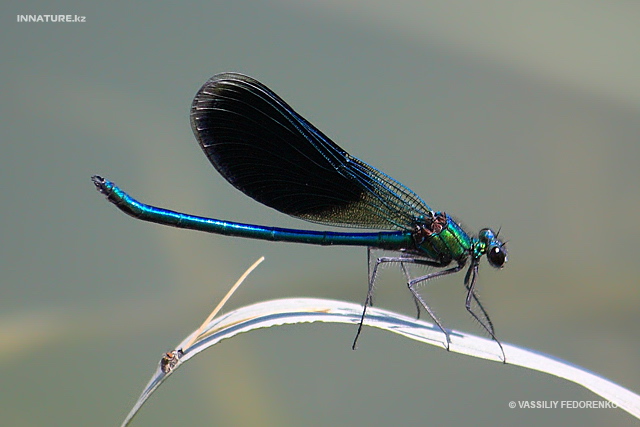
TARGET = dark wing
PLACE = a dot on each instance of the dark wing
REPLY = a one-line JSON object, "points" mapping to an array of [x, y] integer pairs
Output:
{"points": [[273, 155]]}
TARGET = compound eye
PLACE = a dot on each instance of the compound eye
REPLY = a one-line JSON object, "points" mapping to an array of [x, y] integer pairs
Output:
{"points": [[497, 256]]}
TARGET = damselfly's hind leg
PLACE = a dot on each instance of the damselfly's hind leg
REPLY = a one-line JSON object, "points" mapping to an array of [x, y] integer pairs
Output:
{"points": [[372, 273]]}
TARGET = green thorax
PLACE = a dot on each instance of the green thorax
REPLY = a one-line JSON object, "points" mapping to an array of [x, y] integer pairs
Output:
{"points": [[441, 238]]}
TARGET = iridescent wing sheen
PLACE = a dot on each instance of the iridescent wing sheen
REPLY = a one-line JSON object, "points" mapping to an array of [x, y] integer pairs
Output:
{"points": [[272, 154]]}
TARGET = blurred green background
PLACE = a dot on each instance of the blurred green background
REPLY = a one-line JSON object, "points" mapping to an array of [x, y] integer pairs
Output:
{"points": [[520, 115]]}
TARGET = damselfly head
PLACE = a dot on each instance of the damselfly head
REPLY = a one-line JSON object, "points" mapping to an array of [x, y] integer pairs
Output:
{"points": [[496, 250]]}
